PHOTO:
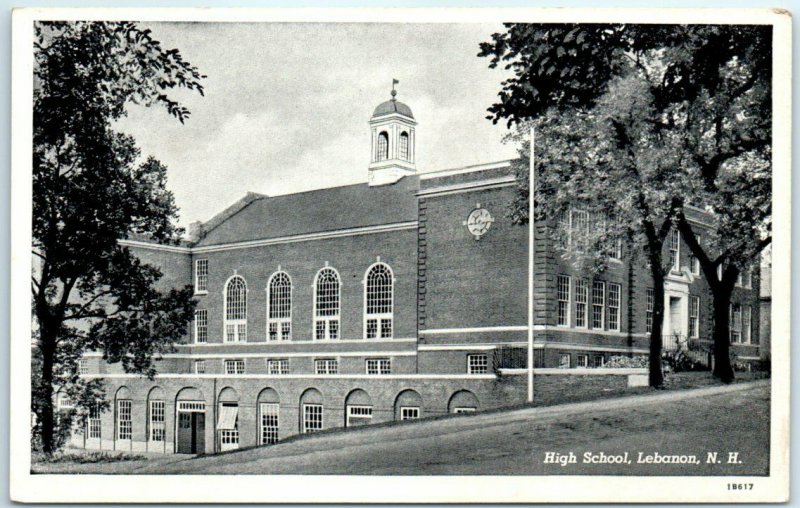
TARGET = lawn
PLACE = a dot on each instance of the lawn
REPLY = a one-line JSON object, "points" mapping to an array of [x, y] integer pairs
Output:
{"points": [[684, 423]]}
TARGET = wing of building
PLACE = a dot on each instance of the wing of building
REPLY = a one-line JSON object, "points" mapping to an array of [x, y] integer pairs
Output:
{"points": [[401, 298]]}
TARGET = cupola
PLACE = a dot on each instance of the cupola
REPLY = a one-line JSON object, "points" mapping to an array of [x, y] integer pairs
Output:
{"points": [[393, 142]]}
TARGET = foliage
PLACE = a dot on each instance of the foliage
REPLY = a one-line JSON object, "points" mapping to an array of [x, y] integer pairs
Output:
{"points": [[643, 120], [626, 362], [88, 458], [89, 191]]}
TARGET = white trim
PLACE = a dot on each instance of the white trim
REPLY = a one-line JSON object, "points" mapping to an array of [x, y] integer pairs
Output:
{"points": [[279, 321], [324, 235], [382, 316], [285, 343], [441, 173], [538, 345], [235, 322], [296, 376], [196, 277], [441, 331], [578, 371], [490, 183], [228, 355], [461, 347], [540, 328], [326, 319], [155, 246]]}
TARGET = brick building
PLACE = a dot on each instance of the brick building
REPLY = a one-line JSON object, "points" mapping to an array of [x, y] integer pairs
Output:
{"points": [[401, 298]]}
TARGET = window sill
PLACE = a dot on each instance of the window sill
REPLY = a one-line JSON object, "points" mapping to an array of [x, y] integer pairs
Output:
{"points": [[200, 293]]}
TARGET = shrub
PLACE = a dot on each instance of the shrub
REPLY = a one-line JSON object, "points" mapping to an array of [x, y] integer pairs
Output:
{"points": [[627, 362]]}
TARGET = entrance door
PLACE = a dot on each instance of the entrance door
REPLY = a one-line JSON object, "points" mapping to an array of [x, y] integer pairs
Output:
{"points": [[191, 432]]}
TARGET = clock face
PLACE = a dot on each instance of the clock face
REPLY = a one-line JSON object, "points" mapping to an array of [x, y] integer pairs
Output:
{"points": [[479, 222]]}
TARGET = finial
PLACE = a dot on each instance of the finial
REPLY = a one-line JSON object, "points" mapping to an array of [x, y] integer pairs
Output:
{"points": [[394, 92]]}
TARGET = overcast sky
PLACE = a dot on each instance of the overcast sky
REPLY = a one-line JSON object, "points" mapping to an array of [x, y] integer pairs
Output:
{"points": [[286, 105]]}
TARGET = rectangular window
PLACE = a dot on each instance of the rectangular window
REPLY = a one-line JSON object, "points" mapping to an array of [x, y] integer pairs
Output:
{"points": [[650, 306], [598, 304], [409, 413], [199, 366], [563, 293], [564, 361], [93, 422], [312, 418], [83, 366], [582, 361], [617, 251], [269, 423], [379, 366], [579, 232], [614, 291], [735, 324], [675, 250], [326, 366], [599, 361], [124, 421], [694, 263], [358, 415], [234, 367], [461, 410], [745, 279], [694, 317], [201, 326], [477, 364], [279, 367], [228, 425], [157, 420], [372, 328], [581, 300], [201, 276], [746, 317]]}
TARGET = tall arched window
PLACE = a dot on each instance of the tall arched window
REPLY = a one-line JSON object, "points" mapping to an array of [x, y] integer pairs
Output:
{"points": [[236, 310], [383, 146], [378, 302], [326, 304], [279, 307], [404, 146]]}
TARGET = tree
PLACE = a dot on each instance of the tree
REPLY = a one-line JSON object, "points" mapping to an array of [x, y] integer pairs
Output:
{"points": [[704, 105], [89, 293]]}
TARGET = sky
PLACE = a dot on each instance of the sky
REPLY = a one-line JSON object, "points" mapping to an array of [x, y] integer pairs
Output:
{"points": [[287, 105]]}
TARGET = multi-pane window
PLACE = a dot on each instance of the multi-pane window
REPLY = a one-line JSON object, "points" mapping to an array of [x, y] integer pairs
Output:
{"points": [[93, 422], [269, 423], [124, 420], [201, 276], [582, 360], [613, 306], [312, 418], [236, 310], [83, 366], [233, 367], [199, 366], [63, 402], [735, 325], [649, 307], [616, 252], [598, 304], [409, 413], [379, 289], [228, 425], [581, 300], [461, 410], [694, 317], [694, 264], [358, 415], [746, 317], [477, 364], [579, 230], [326, 366], [379, 366], [404, 146], [201, 326], [279, 307], [675, 250], [326, 304], [278, 367], [564, 361], [563, 293], [383, 146], [157, 420], [599, 361], [745, 278]]}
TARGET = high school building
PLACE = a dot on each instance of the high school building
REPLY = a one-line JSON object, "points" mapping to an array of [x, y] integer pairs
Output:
{"points": [[397, 299]]}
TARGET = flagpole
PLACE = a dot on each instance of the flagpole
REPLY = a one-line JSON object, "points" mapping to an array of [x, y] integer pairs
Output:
{"points": [[531, 232]]}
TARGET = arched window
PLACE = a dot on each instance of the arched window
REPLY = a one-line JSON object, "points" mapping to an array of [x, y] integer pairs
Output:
{"points": [[404, 146], [236, 310], [378, 302], [383, 146], [279, 307], [326, 304]]}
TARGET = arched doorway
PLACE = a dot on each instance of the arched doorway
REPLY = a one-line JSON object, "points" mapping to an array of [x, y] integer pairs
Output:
{"points": [[269, 407], [190, 421], [311, 411], [228, 421], [156, 420], [123, 419]]}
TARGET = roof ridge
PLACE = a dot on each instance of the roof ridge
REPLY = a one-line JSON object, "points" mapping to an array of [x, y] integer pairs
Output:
{"points": [[232, 210]]}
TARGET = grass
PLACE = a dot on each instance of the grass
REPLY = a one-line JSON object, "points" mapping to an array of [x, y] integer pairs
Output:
{"points": [[89, 457]]}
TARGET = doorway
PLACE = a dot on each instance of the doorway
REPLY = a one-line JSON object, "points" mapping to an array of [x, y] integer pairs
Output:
{"points": [[191, 434]]}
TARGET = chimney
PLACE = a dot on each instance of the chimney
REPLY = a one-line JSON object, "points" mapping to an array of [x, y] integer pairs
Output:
{"points": [[195, 231]]}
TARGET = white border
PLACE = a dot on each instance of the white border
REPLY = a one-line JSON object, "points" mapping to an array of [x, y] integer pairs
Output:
{"points": [[417, 489]]}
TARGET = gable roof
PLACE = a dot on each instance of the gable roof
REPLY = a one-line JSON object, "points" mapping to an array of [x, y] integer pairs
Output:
{"points": [[259, 217]]}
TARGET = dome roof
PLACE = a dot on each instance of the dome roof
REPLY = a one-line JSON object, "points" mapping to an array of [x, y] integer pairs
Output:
{"points": [[392, 106]]}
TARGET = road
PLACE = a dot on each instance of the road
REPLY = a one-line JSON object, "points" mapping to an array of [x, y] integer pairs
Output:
{"points": [[720, 419]]}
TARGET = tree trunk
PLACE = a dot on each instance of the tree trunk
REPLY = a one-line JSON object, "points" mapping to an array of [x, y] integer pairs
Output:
{"points": [[45, 392], [722, 359], [656, 374]]}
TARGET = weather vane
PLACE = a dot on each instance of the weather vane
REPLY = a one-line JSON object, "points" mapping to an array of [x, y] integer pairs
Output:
{"points": [[394, 82]]}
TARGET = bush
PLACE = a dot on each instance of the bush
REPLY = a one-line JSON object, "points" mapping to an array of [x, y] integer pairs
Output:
{"points": [[89, 458], [627, 362]]}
